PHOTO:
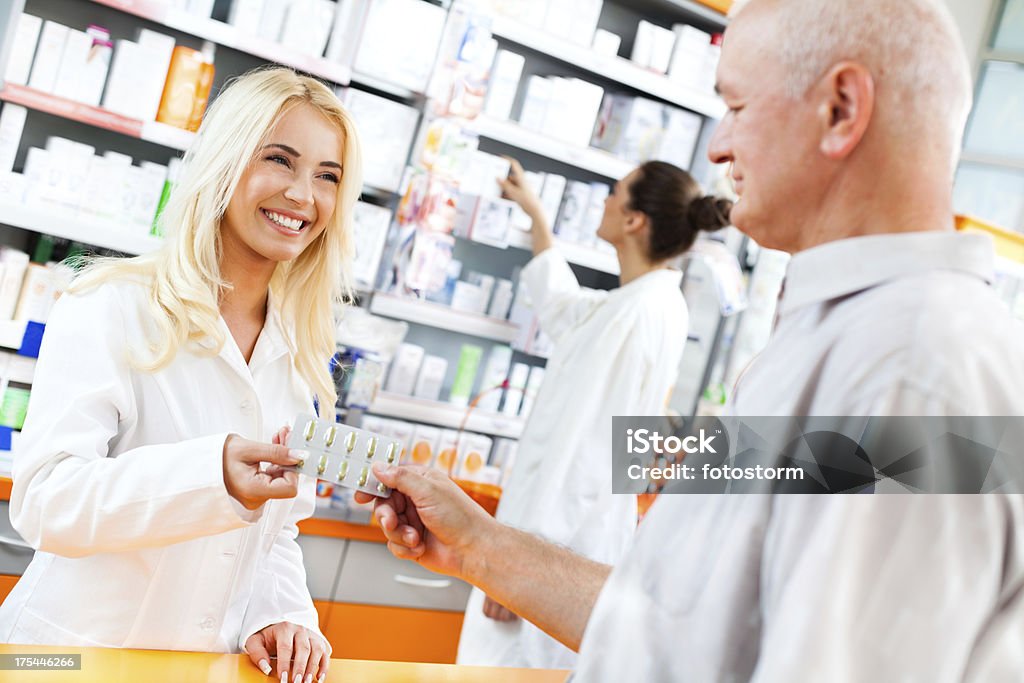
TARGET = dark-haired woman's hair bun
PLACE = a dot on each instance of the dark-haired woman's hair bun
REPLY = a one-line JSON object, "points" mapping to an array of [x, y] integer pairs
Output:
{"points": [[709, 213], [676, 207]]}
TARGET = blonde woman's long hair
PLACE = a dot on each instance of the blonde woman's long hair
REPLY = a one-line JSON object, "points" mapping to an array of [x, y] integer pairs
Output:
{"points": [[184, 278]]}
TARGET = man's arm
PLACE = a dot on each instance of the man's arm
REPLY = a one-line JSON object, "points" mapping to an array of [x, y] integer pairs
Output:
{"points": [[430, 520], [547, 584]]}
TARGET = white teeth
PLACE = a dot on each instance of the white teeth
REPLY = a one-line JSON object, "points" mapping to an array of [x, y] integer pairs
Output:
{"points": [[285, 222]]}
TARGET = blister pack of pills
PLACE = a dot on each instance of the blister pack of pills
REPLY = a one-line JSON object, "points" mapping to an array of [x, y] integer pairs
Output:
{"points": [[341, 454]]}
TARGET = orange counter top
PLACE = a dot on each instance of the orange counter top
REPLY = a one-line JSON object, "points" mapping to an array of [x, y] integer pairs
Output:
{"points": [[161, 666], [314, 526]]}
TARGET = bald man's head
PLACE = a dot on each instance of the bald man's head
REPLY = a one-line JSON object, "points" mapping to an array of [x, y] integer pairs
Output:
{"points": [[844, 117], [911, 47]]}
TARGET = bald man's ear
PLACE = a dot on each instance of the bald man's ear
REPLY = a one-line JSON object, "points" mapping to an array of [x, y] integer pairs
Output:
{"points": [[848, 100]]}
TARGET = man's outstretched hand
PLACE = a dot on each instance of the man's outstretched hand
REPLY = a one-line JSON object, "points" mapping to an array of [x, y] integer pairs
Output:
{"points": [[429, 519]]}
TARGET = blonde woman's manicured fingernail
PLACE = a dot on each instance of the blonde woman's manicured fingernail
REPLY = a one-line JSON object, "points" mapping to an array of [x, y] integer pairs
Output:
{"points": [[297, 679], [284, 677], [264, 666], [309, 678], [321, 679]]}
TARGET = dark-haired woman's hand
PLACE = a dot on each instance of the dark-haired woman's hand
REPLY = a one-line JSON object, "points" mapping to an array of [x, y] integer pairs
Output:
{"points": [[518, 190], [495, 610]]}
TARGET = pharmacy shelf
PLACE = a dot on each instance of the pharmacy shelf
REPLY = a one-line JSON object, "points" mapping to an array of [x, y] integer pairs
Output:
{"points": [[152, 131], [582, 255], [689, 11], [442, 317], [21, 336], [229, 36], [71, 226], [384, 86], [378, 193], [614, 68], [11, 333], [445, 415], [17, 368], [586, 158]]}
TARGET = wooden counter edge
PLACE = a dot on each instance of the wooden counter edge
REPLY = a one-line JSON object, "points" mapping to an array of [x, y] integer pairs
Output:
{"points": [[166, 666]]}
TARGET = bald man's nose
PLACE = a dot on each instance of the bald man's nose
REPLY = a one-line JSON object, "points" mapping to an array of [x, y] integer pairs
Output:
{"points": [[720, 149]]}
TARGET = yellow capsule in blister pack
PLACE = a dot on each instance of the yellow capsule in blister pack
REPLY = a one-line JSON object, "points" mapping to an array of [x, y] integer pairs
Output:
{"points": [[382, 488], [329, 435], [343, 470], [322, 466], [350, 442], [392, 453], [363, 476], [310, 431], [371, 447]]}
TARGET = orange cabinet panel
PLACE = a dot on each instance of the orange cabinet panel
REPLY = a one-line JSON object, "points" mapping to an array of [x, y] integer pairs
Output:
{"points": [[323, 609], [390, 633], [7, 582]]}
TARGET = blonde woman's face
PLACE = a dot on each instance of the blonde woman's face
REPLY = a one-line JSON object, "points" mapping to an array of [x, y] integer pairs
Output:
{"points": [[288, 193]]}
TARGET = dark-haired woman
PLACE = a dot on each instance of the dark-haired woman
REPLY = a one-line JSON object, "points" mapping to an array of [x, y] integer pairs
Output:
{"points": [[615, 353]]}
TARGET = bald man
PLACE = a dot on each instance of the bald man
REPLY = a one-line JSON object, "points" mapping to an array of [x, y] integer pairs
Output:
{"points": [[843, 130]]}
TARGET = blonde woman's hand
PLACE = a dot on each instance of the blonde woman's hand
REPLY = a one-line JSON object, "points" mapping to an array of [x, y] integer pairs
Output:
{"points": [[281, 438], [246, 482], [518, 190], [301, 654]]}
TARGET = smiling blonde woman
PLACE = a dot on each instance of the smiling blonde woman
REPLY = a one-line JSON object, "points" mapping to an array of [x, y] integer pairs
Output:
{"points": [[160, 382]]}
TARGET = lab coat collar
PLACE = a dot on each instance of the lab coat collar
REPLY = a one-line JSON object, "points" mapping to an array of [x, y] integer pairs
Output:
{"points": [[654, 279], [848, 266]]}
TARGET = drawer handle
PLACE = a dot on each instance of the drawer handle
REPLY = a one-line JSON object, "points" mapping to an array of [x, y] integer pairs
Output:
{"points": [[423, 583], [10, 540]]}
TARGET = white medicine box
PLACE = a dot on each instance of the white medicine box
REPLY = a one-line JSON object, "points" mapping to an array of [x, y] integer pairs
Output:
{"points": [[386, 130], [370, 224], [399, 40], [23, 48]]}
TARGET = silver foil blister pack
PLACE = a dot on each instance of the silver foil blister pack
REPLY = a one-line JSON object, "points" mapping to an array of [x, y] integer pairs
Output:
{"points": [[341, 454]]}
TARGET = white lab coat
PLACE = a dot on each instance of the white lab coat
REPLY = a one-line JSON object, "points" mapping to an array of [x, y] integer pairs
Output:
{"points": [[615, 353], [118, 484]]}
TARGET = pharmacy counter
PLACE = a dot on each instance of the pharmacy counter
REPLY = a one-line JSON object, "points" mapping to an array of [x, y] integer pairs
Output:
{"points": [[371, 604], [161, 666]]}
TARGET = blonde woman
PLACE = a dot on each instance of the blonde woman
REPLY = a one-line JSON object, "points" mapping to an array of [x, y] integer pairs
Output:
{"points": [[162, 379]]}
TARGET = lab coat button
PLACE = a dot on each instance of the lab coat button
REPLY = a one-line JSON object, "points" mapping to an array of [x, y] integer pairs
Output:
{"points": [[246, 407], [207, 624]]}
